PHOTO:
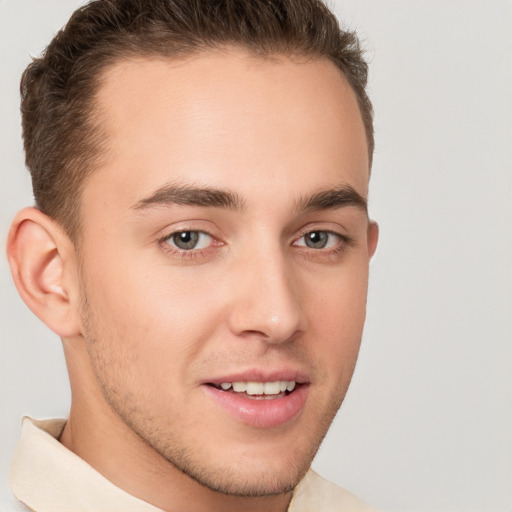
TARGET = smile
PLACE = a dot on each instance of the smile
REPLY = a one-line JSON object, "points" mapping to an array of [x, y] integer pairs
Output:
{"points": [[260, 390], [259, 402]]}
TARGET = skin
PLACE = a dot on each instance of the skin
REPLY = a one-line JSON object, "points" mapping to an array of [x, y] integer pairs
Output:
{"points": [[145, 324]]}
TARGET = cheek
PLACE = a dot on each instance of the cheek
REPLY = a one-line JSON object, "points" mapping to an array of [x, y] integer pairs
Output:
{"points": [[156, 317], [340, 299], [336, 319]]}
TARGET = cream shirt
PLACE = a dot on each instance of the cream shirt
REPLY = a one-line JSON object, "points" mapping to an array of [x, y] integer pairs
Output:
{"points": [[47, 477]]}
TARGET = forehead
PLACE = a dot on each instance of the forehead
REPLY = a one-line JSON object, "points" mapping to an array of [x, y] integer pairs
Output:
{"points": [[230, 119]]}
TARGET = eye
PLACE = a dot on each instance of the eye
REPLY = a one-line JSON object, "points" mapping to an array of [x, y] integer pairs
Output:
{"points": [[189, 240], [318, 240]]}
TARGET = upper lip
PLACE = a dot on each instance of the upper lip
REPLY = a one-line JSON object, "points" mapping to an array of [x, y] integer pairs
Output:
{"points": [[261, 375]]}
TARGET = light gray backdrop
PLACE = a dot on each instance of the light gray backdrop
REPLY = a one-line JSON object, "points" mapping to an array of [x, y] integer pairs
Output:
{"points": [[427, 424]]}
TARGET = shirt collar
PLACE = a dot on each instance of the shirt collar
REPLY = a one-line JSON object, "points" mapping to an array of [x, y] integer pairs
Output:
{"points": [[46, 476]]}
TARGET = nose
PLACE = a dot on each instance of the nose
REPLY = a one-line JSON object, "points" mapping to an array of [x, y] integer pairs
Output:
{"points": [[267, 302]]}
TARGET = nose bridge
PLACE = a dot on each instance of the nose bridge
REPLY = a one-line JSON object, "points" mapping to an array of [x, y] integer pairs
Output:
{"points": [[268, 300]]}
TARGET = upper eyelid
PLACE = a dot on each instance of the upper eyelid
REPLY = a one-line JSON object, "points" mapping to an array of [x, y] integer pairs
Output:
{"points": [[314, 227], [330, 231], [325, 230], [181, 227], [335, 226], [170, 234]]}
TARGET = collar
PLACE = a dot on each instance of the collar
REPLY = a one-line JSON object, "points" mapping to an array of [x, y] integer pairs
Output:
{"points": [[46, 476]]}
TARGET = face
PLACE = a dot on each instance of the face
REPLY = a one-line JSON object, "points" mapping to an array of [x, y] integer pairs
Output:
{"points": [[224, 261]]}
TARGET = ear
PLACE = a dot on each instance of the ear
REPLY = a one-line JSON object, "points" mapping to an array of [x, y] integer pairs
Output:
{"points": [[43, 265], [372, 237]]}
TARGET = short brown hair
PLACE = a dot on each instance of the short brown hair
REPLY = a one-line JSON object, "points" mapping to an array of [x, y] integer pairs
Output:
{"points": [[62, 137]]}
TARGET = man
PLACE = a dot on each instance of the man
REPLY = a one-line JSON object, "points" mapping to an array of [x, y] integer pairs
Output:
{"points": [[201, 245]]}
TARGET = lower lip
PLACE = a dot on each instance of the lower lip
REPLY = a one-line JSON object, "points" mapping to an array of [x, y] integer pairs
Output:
{"points": [[260, 413]]}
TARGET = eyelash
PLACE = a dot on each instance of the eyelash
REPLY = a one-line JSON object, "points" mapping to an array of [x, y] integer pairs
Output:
{"points": [[344, 242]]}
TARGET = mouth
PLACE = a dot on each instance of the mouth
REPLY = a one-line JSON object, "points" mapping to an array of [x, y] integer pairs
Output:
{"points": [[258, 390], [260, 401]]}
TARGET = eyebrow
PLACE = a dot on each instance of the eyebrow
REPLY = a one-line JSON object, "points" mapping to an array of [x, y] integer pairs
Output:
{"points": [[332, 199], [190, 195]]}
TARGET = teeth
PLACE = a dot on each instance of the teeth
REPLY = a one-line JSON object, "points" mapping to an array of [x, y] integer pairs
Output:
{"points": [[260, 388], [240, 387], [290, 386], [271, 388], [254, 388]]}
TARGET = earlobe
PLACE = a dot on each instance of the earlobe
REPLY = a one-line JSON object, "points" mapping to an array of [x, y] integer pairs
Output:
{"points": [[41, 257], [373, 237]]}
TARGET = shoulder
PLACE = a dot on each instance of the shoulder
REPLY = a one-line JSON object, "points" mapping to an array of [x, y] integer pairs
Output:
{"points": [[315, 494]]}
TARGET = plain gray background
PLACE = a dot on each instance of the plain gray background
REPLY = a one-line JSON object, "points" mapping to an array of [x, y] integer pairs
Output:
{"points": [[427, 424]]}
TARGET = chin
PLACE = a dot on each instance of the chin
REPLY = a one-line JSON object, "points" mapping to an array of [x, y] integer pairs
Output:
{"points": [[256, 469], [262, 482]]}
